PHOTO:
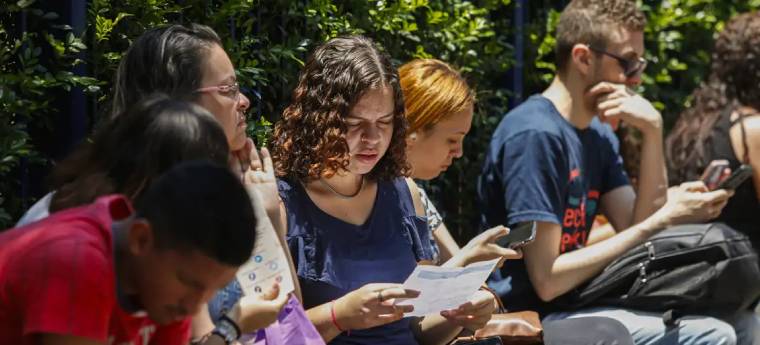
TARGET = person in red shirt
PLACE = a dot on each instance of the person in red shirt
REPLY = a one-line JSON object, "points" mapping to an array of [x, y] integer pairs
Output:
{"points": [[104, 273]]}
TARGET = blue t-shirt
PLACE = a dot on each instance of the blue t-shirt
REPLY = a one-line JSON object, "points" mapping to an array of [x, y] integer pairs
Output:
{"points": [[333, 257], [540, 168]]}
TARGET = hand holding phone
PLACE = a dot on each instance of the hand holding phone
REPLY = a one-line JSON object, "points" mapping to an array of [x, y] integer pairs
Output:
{"points": [[519, 235], [484, 247]]}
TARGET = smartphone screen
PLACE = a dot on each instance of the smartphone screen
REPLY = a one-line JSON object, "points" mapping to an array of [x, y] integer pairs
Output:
{"points": [[519, 235], [714, 173], [737, 178]]}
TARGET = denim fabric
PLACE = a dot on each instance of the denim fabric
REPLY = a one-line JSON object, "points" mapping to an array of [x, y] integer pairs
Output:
{"points": [[224, 300], [648, 328], [291, 328]]}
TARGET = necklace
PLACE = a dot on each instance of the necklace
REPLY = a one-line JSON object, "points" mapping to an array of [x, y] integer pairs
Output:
{"points": [[341, 195]]}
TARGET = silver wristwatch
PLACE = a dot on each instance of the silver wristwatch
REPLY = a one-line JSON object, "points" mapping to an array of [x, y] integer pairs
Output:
{"points": [[227, 329]]}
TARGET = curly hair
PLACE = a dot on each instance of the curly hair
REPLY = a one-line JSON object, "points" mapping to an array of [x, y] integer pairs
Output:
{"points": [[309, 140], [590, 22], [734, 81], [432, 90]]}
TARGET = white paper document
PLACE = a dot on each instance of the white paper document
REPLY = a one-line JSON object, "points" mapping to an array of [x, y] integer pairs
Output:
{"points": [[268, 263], [445, 288]]}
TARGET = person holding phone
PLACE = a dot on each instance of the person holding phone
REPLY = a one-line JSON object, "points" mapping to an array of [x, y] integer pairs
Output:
{"points": [[723, 123], [439, 107], [553, 160]]}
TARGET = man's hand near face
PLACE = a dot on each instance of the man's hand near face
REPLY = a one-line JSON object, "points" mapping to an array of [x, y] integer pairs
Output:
{"points": [[617, 102], [624, 206]]}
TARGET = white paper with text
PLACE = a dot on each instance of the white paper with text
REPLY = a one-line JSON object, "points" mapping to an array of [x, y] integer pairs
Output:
{"points": [[268, 263], [445, 288]]}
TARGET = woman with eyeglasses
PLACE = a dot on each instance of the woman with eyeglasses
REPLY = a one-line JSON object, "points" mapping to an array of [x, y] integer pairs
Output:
{"points": [[193, 64], [189, 63]]}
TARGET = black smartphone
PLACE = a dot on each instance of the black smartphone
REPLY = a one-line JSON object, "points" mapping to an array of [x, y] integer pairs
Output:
{"points": [[737, 178], [519, 235], [714, 173]]}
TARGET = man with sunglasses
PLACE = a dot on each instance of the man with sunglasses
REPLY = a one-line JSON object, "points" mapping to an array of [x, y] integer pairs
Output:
{"points": [[554, 160]]}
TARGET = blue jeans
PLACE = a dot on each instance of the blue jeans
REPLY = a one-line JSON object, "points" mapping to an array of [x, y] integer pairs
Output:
{"points": [[224, 300], [648, 328]]}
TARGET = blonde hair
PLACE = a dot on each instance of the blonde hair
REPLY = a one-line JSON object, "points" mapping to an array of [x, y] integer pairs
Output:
{"points": [[432, 91]]}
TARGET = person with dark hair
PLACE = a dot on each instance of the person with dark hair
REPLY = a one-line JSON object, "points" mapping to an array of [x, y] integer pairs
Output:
{"points": [[355, 226], [188, 62], [104, 273], [169, 59], [439, 106], [126, 154], [555, 161], [129, 152], [723, 123]]}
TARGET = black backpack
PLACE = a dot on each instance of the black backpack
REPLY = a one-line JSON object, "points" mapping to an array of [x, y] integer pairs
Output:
{"points": [[684, 269]]}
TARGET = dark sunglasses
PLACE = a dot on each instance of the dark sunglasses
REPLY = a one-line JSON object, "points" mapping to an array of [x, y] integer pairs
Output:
{"points": [[630, 67]]}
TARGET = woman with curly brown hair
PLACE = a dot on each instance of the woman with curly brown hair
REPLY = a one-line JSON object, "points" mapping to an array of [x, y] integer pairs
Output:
{"points": [[355, 226], [723, 122]]}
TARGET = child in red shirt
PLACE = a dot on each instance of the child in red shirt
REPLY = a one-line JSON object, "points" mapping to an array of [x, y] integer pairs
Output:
{"points": [[105, 274]]}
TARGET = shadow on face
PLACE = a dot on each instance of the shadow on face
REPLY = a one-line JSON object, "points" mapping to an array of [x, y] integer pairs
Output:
{"points": [[172, 283]]}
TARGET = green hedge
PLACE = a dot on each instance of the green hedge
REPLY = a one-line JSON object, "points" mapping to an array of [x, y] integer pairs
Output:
{"points": [[269, 39]]}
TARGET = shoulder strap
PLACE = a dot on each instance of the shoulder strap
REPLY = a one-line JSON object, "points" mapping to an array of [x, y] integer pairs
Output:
{"points": [[742, 115]]}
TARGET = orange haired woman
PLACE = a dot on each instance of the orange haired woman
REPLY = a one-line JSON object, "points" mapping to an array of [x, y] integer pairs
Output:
{"points": [[439, 108]]}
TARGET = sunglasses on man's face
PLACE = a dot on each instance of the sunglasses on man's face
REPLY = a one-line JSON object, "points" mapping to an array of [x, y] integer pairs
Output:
{"points": [[631, 67]]}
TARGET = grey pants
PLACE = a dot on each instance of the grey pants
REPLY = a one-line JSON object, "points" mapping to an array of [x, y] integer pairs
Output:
{"points": [[591, 330], [647, 328]]}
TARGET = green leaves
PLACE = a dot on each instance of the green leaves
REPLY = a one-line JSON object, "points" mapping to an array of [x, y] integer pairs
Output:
{"points": [[269, 40], [679, 37], [104, 26], [28, 78]]}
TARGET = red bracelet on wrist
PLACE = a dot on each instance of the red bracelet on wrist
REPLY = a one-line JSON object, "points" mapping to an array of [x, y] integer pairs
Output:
{"points": [[335, 319]]}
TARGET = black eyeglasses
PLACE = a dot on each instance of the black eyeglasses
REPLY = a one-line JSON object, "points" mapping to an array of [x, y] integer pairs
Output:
{"points": [[630, 67]]}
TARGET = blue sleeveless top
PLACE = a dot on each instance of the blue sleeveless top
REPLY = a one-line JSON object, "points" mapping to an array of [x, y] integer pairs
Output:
{"points": [[333, 257]]}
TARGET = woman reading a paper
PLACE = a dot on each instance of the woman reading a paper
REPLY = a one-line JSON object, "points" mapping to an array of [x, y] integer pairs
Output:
{"points": [[355, 226], [439, 107]]}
